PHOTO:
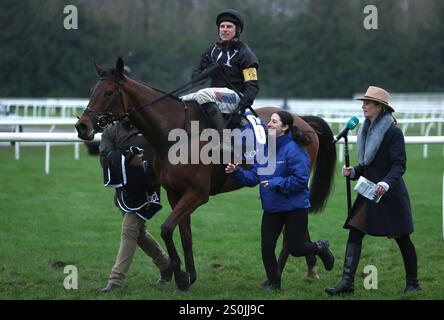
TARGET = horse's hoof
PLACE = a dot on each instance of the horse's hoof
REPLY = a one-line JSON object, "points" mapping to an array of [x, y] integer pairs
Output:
{"points": [[312, 273], [183, 281]]}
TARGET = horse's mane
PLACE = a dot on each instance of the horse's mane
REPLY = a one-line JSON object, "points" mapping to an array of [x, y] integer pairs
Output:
{"points": [[110, 73], [172, 96]]}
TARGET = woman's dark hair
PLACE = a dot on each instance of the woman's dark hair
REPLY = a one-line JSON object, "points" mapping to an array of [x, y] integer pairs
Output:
{"points": [[298, 135]]}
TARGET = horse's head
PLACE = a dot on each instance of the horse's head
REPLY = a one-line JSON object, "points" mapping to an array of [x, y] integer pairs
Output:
{"points": [[105, 104]]}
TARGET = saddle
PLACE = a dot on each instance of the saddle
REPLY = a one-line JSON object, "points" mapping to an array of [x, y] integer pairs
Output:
{"points": [[231, 120]]}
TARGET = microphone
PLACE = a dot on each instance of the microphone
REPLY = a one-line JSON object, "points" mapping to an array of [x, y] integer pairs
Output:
{"points": [[350, 125]]}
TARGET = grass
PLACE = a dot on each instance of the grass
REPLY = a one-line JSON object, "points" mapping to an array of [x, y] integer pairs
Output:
{"points": [[69, 217]]}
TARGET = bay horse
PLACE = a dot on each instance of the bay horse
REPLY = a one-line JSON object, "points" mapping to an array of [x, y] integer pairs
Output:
{"points": [[188, 186]]}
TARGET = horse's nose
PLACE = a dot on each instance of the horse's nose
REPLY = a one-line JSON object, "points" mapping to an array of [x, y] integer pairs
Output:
{"points": [[80, 126], [82, 129]]}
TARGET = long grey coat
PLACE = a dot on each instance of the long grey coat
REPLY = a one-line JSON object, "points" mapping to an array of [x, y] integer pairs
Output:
{"points": [[392, 216]]}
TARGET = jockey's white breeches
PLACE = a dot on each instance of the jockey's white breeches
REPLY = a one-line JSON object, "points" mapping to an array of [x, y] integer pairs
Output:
{"points": [[226, 99]]}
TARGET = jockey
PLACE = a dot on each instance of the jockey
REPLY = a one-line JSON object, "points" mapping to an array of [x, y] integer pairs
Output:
{"points": [[234, 84]]}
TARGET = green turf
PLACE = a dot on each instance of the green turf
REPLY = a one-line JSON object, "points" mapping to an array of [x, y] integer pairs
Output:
{"points": [[68, 216]]}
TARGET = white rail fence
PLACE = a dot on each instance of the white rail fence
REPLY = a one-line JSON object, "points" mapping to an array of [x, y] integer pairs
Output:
{"points": [[406, 105], [48, 137], [427, 124], [18, 122], [72, 137], [44, 107]]}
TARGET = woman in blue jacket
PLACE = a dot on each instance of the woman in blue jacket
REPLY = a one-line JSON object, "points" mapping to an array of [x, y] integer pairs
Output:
{"points": [[285, 198]]}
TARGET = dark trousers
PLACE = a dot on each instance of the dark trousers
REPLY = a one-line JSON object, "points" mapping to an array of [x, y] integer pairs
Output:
{"points": [[296, 223], [405, 245]]}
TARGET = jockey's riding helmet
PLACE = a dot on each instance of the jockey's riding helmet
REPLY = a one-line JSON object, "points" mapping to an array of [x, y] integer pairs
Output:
{"points": [[233, 16]]}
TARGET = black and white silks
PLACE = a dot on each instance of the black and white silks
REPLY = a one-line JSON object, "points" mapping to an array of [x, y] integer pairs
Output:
{"points": [[133, 191]]}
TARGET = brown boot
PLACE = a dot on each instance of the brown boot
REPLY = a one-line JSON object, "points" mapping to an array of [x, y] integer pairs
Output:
{"points": [[166, 275]]}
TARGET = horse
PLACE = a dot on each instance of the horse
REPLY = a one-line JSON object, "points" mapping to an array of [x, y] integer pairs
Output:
{"points": [[189, 186]]}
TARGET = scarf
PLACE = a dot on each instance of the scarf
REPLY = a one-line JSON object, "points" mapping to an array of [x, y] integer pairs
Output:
{"points": [[370, 136]]}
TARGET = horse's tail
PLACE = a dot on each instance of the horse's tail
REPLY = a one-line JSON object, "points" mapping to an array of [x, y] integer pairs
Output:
{"points": [[324, 168]]}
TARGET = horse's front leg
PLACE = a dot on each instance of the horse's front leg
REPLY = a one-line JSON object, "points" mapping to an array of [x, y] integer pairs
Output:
{"points": [[181, 278], [187, 245], [186, 204]]}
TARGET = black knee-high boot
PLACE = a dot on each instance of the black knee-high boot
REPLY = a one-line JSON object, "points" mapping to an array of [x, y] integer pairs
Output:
{"points": [[215, 115], [322, 249], [219, 124], [351, 261]]}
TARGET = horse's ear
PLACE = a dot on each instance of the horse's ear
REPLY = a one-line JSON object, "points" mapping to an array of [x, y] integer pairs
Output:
{"points": [[120, 65], [99, 69]]}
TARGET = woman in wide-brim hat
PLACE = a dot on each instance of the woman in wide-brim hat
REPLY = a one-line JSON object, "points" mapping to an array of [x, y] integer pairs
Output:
{"points": [[382, 159]]}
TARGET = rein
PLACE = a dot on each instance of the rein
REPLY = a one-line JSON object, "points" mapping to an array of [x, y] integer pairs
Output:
{"points": [[187, 86], [102, 120], [105, 118], [173, 94], [193, 83]]}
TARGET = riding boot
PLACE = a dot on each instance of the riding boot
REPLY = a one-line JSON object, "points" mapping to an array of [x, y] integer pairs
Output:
{"points": [[219, 124], [412, 284], [325, 254], [351, 261], [166, 275]]}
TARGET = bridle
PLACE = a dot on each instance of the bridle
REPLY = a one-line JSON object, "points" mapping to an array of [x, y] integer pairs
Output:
{"points": [[102, 120]]}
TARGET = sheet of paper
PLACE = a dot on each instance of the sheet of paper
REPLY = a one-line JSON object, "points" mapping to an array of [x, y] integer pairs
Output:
{"points": [[367, 189]]}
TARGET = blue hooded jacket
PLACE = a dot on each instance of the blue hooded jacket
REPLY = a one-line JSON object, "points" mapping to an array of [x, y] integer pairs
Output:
{"points": [[288, 185]]}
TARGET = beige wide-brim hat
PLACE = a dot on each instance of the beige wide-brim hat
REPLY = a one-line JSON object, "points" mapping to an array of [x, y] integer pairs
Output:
{"points": [[378, 95]]}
